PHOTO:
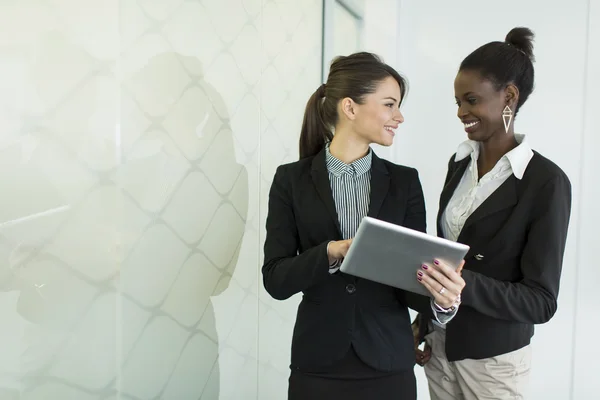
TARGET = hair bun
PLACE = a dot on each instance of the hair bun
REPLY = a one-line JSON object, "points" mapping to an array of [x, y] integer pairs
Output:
{"points": [[521, 39]]}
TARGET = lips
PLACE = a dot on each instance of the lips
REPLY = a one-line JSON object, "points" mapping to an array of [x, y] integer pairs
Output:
{"points": [[471, 126], [391, 129]]}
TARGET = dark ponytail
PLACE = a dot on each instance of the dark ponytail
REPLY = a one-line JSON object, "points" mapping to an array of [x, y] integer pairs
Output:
{"points": [[508, 62], [315, 132], [353, 76]]}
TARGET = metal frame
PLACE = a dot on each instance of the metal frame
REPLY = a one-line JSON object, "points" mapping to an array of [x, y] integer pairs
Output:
{"points": [[327, 29]]}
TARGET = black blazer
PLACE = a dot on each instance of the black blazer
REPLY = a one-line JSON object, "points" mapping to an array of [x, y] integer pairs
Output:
{"points": [[512, 271], [339, 310]]}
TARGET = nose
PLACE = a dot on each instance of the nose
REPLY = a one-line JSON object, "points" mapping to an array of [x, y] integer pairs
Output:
{"points": [[461, 112], [398, 116]]}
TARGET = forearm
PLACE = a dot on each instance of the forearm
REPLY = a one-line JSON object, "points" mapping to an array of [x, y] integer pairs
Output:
{"points": [[283, 277], [525, 302]]}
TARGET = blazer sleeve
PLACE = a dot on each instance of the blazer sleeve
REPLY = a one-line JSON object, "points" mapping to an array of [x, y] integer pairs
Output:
{"points": [[415, 218], [285, 272], [533, 300]]}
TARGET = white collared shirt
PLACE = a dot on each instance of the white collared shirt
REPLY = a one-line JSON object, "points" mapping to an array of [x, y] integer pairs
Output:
{"points": [[471, 192]]}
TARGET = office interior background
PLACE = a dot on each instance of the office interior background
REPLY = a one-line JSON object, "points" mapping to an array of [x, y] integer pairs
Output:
{"points": [[138, 141]]}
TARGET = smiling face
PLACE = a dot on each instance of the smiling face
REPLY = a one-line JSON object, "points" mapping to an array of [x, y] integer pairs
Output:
{"points": [[377, 118], [480, 105]]}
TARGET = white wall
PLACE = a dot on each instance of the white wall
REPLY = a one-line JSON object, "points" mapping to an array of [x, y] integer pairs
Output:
{"points": [[559, 121], [381, 38], [585, 369]]}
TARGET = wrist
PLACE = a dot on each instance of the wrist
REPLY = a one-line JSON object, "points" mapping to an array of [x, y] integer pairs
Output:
{"points": [[449, 309], [333, 261]]}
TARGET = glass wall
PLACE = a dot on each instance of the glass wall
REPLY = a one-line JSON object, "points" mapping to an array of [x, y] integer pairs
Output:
{"points": [[138, 142], [139, 139]]}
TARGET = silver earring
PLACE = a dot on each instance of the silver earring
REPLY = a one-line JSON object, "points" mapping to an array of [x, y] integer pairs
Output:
{"points": [[507, 115]]}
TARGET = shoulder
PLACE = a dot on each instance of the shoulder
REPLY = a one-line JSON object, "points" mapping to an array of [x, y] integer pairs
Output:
{"points": [[452, 161], [400, 170], [287, 175], [543, 171], [295, 167], [402, 175]]}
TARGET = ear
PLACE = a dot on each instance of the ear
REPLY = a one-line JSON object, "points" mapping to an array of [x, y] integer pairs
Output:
{"points": [[511, 96], [348, 108]]}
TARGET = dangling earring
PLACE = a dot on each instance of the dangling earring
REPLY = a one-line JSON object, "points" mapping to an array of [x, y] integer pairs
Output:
{"points": [[507, 115]]}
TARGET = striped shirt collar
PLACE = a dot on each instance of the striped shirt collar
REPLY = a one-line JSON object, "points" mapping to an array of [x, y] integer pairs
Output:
{"points": [[338, 167]]}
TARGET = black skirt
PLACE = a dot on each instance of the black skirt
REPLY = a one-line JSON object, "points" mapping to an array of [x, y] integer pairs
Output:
{"points": [[351, 379]]}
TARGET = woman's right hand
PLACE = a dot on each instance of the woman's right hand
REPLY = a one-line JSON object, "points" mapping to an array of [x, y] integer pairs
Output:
{"points": [[337, 250]]}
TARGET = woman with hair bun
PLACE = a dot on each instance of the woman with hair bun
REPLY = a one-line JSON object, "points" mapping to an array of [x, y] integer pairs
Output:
{"points": [[512, 207]]}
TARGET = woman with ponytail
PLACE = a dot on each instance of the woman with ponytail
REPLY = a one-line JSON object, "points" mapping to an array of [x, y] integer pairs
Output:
{"points": [[512, 207], [352, 338]]}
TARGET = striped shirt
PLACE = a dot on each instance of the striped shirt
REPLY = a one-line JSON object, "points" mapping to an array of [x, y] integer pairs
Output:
{"points": [[351, 189]]}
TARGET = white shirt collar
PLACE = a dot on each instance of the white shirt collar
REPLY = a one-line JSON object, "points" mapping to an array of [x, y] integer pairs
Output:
{"points": [[518, 157]]}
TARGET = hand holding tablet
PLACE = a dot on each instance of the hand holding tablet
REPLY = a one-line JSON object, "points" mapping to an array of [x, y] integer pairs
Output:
{"points": [[391, 254]]}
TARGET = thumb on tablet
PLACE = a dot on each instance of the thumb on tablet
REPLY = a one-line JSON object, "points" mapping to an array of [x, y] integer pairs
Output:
{"points": [[460, 267]]}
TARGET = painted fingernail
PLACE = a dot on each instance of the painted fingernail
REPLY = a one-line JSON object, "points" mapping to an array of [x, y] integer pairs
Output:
{"points": [[420, 273], [424, 266], [436, 262], [419, 278]]}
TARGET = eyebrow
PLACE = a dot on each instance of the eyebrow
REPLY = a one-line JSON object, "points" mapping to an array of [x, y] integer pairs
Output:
{"points": [[391, 98], [465, 95]]}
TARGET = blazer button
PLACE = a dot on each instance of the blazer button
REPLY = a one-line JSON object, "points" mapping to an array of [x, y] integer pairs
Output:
{"points": [[350, 288]]}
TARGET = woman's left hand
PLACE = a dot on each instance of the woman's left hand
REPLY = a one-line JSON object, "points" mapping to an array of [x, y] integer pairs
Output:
{"points": [[443, 282]]}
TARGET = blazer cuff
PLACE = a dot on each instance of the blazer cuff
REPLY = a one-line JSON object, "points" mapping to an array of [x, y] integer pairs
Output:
{"points": [[443, 317], [335, 266]]}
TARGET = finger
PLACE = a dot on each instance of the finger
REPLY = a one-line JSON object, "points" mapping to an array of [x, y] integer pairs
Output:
{"points": [[420, 356], [460, 267], [427, 282], [448, 272], [445, 300], [441, 280], [423, 358], [426, 354], [345, 246], [425, 276]]}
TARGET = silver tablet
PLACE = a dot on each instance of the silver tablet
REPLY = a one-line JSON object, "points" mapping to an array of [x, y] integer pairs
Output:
{"points": [[391, 254]]}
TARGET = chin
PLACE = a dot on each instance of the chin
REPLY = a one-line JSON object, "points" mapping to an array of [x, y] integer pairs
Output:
{"points": [[386, 141], [476, 136], [479, 136]]}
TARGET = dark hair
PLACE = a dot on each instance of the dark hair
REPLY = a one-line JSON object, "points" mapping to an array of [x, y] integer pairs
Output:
{"points": [[353, 76], [506, 62]]}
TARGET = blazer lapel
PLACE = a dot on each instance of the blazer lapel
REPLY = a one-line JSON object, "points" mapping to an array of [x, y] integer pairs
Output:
{"points": [[320, 177], [449, 188], [380, 184], [504, 197]]}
